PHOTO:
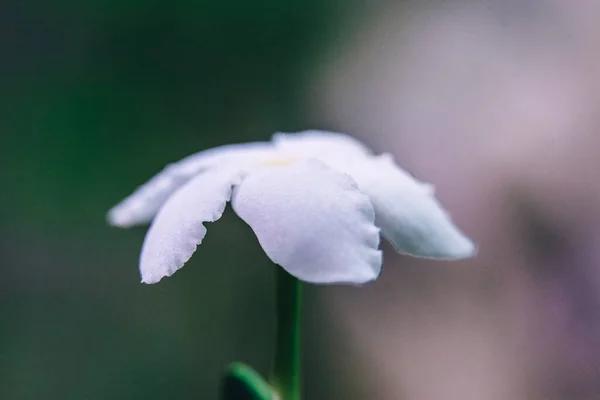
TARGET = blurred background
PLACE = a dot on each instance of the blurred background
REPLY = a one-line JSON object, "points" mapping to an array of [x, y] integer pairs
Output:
{"points": [[496, 102]]}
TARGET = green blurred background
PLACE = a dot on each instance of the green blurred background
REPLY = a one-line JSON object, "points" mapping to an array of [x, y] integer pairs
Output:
{"points": [[96, 97]]}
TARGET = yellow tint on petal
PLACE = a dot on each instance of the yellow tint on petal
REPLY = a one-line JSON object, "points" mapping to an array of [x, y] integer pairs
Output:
{"points": [[280, 162]]}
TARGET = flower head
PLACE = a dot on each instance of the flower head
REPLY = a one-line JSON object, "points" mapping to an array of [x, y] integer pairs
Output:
{"points": [[317, 202]]}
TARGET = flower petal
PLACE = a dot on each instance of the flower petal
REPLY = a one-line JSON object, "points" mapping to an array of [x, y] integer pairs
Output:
{"points": [[178, 227], [407, 212], [141, 206], [312, 221], [319, 144]]}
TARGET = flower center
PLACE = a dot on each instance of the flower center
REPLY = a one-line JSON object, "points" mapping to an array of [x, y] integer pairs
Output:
{"points": [[280, 162]]}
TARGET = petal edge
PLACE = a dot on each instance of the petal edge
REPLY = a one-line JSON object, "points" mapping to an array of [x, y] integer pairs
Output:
{"points": [[178, 227]]}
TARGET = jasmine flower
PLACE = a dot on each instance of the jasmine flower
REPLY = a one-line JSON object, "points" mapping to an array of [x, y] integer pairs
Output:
{"points": [[317, 202]]}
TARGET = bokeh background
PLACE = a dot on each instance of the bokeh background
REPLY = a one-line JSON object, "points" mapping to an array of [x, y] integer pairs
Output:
{"points": [[495, 102]]}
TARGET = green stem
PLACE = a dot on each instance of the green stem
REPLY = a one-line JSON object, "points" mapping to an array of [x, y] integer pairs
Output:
{"points": [[285, 371]]}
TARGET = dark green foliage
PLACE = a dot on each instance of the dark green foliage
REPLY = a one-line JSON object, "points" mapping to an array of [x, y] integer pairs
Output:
{"points": [[95, 97]]}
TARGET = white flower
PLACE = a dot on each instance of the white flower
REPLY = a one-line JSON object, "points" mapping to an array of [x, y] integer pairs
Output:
{"points": [[315, 200]]}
